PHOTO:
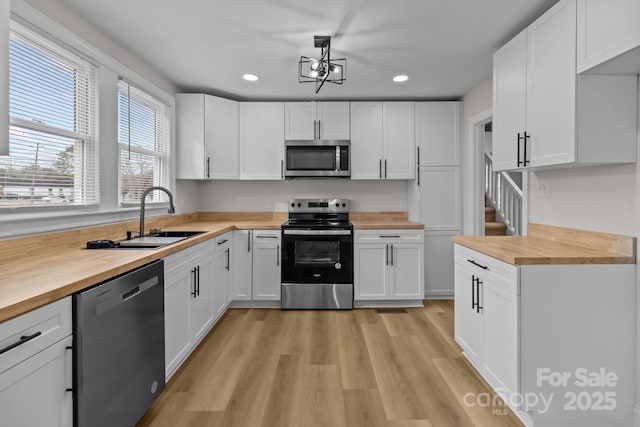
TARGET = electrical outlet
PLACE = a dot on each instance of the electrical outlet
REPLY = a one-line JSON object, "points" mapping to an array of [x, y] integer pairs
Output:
{"points": [[543, 188], [403, 205], [269, 204]]}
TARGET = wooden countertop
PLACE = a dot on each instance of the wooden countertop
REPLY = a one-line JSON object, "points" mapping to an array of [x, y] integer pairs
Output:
{"points": [[37, 270], [554, 245]]}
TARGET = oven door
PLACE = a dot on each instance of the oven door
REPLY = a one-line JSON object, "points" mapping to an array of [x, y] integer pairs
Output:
{"points": [[317, 256]]}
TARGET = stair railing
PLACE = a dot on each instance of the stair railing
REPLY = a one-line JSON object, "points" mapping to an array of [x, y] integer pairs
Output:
{"points": [[505, 196]]}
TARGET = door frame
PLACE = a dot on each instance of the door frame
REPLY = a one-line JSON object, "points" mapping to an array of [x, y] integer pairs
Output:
{"points": [[475, 135]]}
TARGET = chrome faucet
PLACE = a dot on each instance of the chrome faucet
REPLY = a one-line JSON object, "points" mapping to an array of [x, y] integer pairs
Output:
{"points": [[144, 196]]}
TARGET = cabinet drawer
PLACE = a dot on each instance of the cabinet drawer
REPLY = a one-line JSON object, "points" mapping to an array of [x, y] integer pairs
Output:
{"points": [[47, 325], [389, 236], [190, 255], [503, 274], [223, 241], [266, 236]]}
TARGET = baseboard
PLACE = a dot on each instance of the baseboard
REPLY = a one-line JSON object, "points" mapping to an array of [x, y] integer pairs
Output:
{"points": [[254, 304], [438, 294], [636, 415], [387, 303]]}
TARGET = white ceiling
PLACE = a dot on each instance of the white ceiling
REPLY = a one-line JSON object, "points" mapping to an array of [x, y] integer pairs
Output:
{"points": [[445, 46]]}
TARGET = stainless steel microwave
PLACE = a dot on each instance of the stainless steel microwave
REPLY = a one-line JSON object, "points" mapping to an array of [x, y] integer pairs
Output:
{"points": [[317, 159]]}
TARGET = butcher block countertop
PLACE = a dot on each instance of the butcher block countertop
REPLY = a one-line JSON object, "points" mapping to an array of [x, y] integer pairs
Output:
{"points": [[40, 269], [554, 245]]}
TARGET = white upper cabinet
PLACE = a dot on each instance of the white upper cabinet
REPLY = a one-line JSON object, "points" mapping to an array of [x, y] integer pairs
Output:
{"points": [[558, 118], [4, 78], [382, 140], [437, 133], [207, 137], [262, 140], [609, 36], [366, 140], [398, 140], [316, 120]]}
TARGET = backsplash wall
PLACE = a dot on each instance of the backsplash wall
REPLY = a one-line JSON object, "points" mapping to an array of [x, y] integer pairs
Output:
{"points": [[231, 196]]}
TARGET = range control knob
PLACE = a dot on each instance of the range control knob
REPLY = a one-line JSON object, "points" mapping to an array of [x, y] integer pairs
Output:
{"points": [[293, 205], [299, 204], [344, 205]]}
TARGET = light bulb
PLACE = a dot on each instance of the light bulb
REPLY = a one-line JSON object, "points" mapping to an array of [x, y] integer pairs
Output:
{"points": [[314, 65], [335, 69], [313, 73]]}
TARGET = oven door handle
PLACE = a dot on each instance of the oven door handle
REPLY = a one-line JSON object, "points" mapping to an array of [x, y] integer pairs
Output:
{"points": [[318, 232]]}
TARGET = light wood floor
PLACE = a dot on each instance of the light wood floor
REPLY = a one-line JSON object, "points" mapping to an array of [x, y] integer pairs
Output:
{"points": [[366, 367]]}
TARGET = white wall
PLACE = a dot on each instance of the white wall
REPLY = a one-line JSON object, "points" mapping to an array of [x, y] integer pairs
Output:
{"points": [[602, 198], [232, 196], [475, 102]]}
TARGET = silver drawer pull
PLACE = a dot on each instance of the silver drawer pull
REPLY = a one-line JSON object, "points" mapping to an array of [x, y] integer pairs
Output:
{"points": [[389, 237], [258, 236], [23, 339]]}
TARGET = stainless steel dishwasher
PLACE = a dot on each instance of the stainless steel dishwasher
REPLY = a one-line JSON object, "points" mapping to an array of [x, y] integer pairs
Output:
{"points": [[119, 348]]}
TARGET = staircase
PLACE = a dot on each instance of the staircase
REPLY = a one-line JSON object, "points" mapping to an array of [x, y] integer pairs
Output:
{"points": [[491, 226], [503, 203]]}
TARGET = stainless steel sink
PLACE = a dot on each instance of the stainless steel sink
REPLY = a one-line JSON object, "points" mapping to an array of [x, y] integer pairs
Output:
{"points": [[150, 241]]}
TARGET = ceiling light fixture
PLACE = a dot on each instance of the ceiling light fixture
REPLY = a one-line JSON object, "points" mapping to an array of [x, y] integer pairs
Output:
{"points": [[319, 71], [250, 77], [401, 78]]}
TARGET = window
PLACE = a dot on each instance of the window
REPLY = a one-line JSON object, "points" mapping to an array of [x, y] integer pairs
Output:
{"points": [[53, 153], [143, 140]]}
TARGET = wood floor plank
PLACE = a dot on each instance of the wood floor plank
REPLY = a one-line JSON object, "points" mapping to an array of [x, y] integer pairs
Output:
{"points": [[360, 368], [355, 364]]}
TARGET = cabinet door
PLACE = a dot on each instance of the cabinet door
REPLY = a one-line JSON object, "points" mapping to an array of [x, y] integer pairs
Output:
{"points": [[551, 86], [398, 140], [407, 271], [178, 287], [438, 133], [501, 337], [440, 198], [266, 271], [366, 140], [242, 265], [333, 120], [219, 283], [190, 136], [606, 28], [221, 138], [202, 313], [262, 140], [371, 279], [468, 323], [509, 102], [300, 120], [438, 264], [34, 392]]}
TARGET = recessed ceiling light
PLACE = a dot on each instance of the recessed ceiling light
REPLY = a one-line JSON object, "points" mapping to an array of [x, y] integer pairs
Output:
{"points": [[250, 77], [401, 78]]}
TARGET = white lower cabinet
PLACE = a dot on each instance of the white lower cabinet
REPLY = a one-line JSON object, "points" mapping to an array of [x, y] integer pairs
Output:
{"points": [[189, 309], [266, 265], [222, 274], [556, 342], [388, 265], [242, 261], [36, 376]]}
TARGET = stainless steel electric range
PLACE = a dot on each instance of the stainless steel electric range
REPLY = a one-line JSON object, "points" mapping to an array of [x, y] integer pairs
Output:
{"points": [[317, 255]]}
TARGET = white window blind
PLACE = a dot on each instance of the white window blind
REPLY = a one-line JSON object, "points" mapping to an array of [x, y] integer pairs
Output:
{"points": [[53, 153], [143, 140]]}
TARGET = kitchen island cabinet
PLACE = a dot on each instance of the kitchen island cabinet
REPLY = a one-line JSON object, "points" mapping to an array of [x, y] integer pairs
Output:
{"points": [[570, 315]]}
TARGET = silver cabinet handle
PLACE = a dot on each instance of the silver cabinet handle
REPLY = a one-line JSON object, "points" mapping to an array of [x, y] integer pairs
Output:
{"points": [[228, 266], [387, 236], [264, 236]]}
